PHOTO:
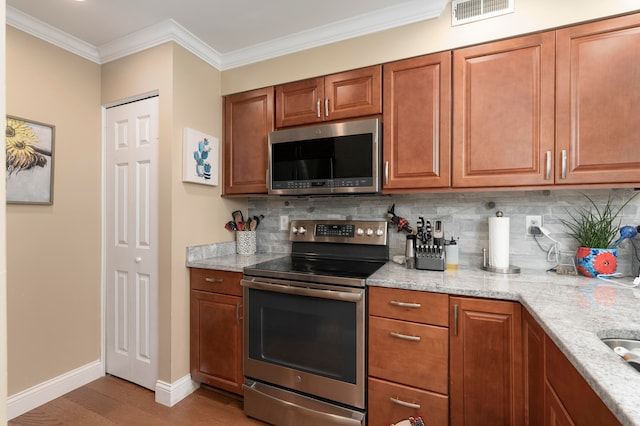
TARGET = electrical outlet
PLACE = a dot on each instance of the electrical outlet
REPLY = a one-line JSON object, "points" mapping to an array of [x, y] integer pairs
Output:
{"points": [[531, 221], [284, 223]]}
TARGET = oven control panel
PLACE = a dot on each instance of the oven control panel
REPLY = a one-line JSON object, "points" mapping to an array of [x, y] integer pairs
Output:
{"points": [[372, 232]]}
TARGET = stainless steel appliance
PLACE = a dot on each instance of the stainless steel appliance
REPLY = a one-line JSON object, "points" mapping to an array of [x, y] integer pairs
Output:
{"points": [[326, 159], [305, 325]]}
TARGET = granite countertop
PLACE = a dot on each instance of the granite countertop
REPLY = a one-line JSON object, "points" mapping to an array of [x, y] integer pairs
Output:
{"points": [[576, 312]]}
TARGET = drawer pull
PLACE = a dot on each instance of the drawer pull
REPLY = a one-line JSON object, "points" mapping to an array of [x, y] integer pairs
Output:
{"points": [[405, 337], [214, 280], [398, 401], [405, 304]]}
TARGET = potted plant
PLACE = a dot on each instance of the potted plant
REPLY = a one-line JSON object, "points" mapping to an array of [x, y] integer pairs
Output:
{"points": [[595, 228]]}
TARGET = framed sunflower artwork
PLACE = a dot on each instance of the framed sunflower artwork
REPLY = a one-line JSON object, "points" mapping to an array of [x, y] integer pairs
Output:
{"points": [[29, 152]]}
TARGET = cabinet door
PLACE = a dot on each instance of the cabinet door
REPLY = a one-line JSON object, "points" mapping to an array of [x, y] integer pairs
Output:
{"points": [[216, 340], [503, 119], [598, 88], [248, 120], [417, 123], [300, 102], [533, 362], [572, 391], [485, 366], [354, 93], [554, 412]]}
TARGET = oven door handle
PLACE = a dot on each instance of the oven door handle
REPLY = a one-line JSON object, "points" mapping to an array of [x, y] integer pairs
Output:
{"points": [[303, 291]]}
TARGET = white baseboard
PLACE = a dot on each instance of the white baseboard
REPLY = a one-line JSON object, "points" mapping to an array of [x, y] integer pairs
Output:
{"points": [[44, 392], [170, 394]]}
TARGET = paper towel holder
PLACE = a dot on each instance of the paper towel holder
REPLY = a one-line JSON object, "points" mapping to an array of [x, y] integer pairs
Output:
{"points": [[511, 269], [485, 265]]}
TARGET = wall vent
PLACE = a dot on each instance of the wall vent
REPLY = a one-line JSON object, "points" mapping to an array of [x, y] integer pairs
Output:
{"points": [[465, 11]]}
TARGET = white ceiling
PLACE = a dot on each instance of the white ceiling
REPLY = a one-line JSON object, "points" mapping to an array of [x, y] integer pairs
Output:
{"points": [[225, 33]]}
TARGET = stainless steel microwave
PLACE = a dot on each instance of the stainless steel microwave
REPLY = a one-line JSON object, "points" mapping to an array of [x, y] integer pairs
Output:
{"points": [[335, 158]]}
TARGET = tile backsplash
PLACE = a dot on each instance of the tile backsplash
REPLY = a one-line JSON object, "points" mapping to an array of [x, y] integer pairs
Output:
{"points": [[464, 216]]}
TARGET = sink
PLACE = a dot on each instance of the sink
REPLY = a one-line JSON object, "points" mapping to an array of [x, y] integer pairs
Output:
{"points": [[631, 345]]}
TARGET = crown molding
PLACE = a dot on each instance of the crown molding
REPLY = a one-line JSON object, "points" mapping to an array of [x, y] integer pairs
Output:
{"points": [[46, 32], [380, 20], [169, 30]]}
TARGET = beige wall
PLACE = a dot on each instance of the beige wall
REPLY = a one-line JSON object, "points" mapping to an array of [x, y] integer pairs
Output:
{"points": [[53, 252], [430, 36], [190, 214]]}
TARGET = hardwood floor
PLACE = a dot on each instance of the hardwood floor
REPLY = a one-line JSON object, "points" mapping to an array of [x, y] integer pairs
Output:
{"points": [[112, 401]]}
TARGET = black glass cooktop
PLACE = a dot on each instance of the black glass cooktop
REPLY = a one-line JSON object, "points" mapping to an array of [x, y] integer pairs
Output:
{"points": [[330, 271]]}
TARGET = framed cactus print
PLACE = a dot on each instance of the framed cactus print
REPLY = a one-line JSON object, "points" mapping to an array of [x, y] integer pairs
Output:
{"points": [[200, 158]]}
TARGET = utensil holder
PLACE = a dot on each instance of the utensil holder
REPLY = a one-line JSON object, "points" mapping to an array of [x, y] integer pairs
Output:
{"points": [[246, 242]]}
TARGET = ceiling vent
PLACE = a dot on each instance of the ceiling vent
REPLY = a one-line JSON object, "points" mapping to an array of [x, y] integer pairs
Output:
{"points": [[465, 11]]}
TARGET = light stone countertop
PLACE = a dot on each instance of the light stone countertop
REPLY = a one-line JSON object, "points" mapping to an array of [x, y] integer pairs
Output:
{"points": [[576, 312]]}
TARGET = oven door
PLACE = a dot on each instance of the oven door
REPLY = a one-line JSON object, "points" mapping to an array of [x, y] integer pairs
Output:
{"points": [[306, 337]]}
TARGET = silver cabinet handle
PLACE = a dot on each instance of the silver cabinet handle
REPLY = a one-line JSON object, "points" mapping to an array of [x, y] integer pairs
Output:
{"points": [[326, 107], [405, 304], [564, 164], [398, 401], [214, 280], [405, 337], [455, 320], [548, 174], [386, 173], [318, 108]]}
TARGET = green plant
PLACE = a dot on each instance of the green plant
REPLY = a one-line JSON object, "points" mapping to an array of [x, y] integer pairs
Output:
{"points": [[597, 226]]}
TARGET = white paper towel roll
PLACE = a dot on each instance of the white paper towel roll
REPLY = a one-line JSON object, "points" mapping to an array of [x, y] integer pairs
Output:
{"points": [[499, 242]]}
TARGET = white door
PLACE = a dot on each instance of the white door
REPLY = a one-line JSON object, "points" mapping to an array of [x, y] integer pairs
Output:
{"points": [[131, 217]]}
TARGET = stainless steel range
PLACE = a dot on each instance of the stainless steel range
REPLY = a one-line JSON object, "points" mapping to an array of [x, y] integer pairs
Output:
{"points": [[305, 325]]}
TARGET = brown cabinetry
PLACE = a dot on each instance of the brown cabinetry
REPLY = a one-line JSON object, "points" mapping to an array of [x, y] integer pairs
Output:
{"points": [[503, 133], [555, 392], [417, 123], [334, 97], [216, 328], [485, 364], [248, 119], [408, 356], [598, 88]]}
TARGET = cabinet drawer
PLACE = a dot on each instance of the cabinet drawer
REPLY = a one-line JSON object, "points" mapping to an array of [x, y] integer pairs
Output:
{"points": [[216, 281], [391, 402], [409, 305], [409, 353]]}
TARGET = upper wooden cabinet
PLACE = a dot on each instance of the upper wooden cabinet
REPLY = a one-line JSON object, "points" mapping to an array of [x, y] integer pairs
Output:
{"points": [[334, 97], [598, 88], [503, 133], [417, 123], [248, 119]]}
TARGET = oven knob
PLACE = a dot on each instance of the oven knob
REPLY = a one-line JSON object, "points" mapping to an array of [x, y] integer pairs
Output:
{"points": [[369, 232], [302, 230], [379, 233], [360, 232], [294, 230]]}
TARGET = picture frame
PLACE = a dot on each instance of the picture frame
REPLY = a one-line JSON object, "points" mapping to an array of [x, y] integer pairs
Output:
{"points": [[30, 161], [200, 158]]}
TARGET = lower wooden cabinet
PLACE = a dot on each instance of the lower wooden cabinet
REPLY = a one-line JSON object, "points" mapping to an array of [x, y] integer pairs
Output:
{"points": [[555, 392], [391, 402], [216, 329], [408, 356], [485, 362], [573, 396]]}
